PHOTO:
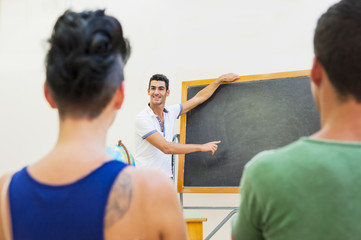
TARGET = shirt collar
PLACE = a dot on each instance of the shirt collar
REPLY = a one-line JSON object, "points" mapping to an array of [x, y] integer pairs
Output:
{"points": [[151, 111]]}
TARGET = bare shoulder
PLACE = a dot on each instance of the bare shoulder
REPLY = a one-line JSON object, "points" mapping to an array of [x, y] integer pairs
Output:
{"points": [[160, 191], [3, 179], [154, 181], [163, 204], [129, 190], [144, 202]]}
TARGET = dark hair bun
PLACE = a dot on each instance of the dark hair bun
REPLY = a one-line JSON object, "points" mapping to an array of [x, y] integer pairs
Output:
{"points": [[82, 66], [100, 44]]}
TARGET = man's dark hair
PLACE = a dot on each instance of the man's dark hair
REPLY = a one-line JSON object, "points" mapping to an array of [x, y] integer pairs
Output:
{"points": [[159, 77], [337, 45], [84, 65]]}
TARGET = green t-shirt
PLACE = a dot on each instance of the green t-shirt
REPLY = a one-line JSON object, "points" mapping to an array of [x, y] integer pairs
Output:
{"points": [[310, 189]]}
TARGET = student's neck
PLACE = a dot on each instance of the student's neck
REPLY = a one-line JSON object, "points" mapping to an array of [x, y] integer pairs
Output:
{"points": [[73, 131], [82, 141], [81, 144], [341, 124]]}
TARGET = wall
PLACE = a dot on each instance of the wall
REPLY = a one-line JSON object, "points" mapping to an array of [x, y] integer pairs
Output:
{"points": [[186, 40]]}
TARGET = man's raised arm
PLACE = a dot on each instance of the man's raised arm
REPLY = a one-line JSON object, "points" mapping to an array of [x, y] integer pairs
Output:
{"points": [[207, 92]]}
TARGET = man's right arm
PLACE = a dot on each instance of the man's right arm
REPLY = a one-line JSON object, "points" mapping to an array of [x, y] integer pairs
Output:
{"points": [[166, 147], [146, 130]]}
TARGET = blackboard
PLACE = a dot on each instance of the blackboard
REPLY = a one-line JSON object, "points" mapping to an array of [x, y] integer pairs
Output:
{"points": [[253, 114]]}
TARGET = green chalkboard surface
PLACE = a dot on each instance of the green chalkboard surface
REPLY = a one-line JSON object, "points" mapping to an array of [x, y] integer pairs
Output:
{"points": [[248, 117]]}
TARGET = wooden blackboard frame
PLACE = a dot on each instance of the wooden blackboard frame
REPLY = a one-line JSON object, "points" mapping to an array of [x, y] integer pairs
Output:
{"points": [[183, 124]]}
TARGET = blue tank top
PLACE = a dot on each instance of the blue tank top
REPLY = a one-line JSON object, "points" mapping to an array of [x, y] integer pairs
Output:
{"points": [[72, 211]]}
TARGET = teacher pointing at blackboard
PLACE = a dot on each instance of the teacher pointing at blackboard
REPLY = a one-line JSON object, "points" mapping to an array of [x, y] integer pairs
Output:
{"points": [[155, 124]]}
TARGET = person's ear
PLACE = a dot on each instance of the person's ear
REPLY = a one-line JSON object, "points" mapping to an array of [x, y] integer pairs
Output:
{"points": [[48, 96], [316, 72], [119, 96], [168, 92]]}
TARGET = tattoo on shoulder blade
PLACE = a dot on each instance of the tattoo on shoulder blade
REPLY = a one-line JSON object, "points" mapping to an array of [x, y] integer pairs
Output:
{"points": [[119, 199]]}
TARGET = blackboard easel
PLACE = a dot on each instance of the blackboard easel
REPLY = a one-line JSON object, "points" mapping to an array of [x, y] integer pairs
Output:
{"points": [[252, 114]]}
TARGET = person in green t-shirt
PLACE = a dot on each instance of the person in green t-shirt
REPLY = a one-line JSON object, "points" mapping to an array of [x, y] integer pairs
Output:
{"points": [[311, 189]]}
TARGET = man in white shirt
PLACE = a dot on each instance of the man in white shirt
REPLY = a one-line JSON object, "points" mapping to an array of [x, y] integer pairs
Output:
{"points": [[155, 124]]}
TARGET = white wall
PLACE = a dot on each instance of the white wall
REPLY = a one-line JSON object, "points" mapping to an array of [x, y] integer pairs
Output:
{"points": [[184, 39]]}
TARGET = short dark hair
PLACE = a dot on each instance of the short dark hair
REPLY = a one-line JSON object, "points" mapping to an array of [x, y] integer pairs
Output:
{"points": [[159, 77], [337, 45], [84, 65]]}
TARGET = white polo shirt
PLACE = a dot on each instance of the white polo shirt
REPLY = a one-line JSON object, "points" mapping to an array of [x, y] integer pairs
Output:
{"points": [[147, 123]]}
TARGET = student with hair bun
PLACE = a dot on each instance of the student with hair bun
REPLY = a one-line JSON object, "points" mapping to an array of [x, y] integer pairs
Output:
{"points": [[73, 194]]}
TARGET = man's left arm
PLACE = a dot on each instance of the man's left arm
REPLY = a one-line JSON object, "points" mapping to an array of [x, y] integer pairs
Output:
{"points": [[207, 92]]}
